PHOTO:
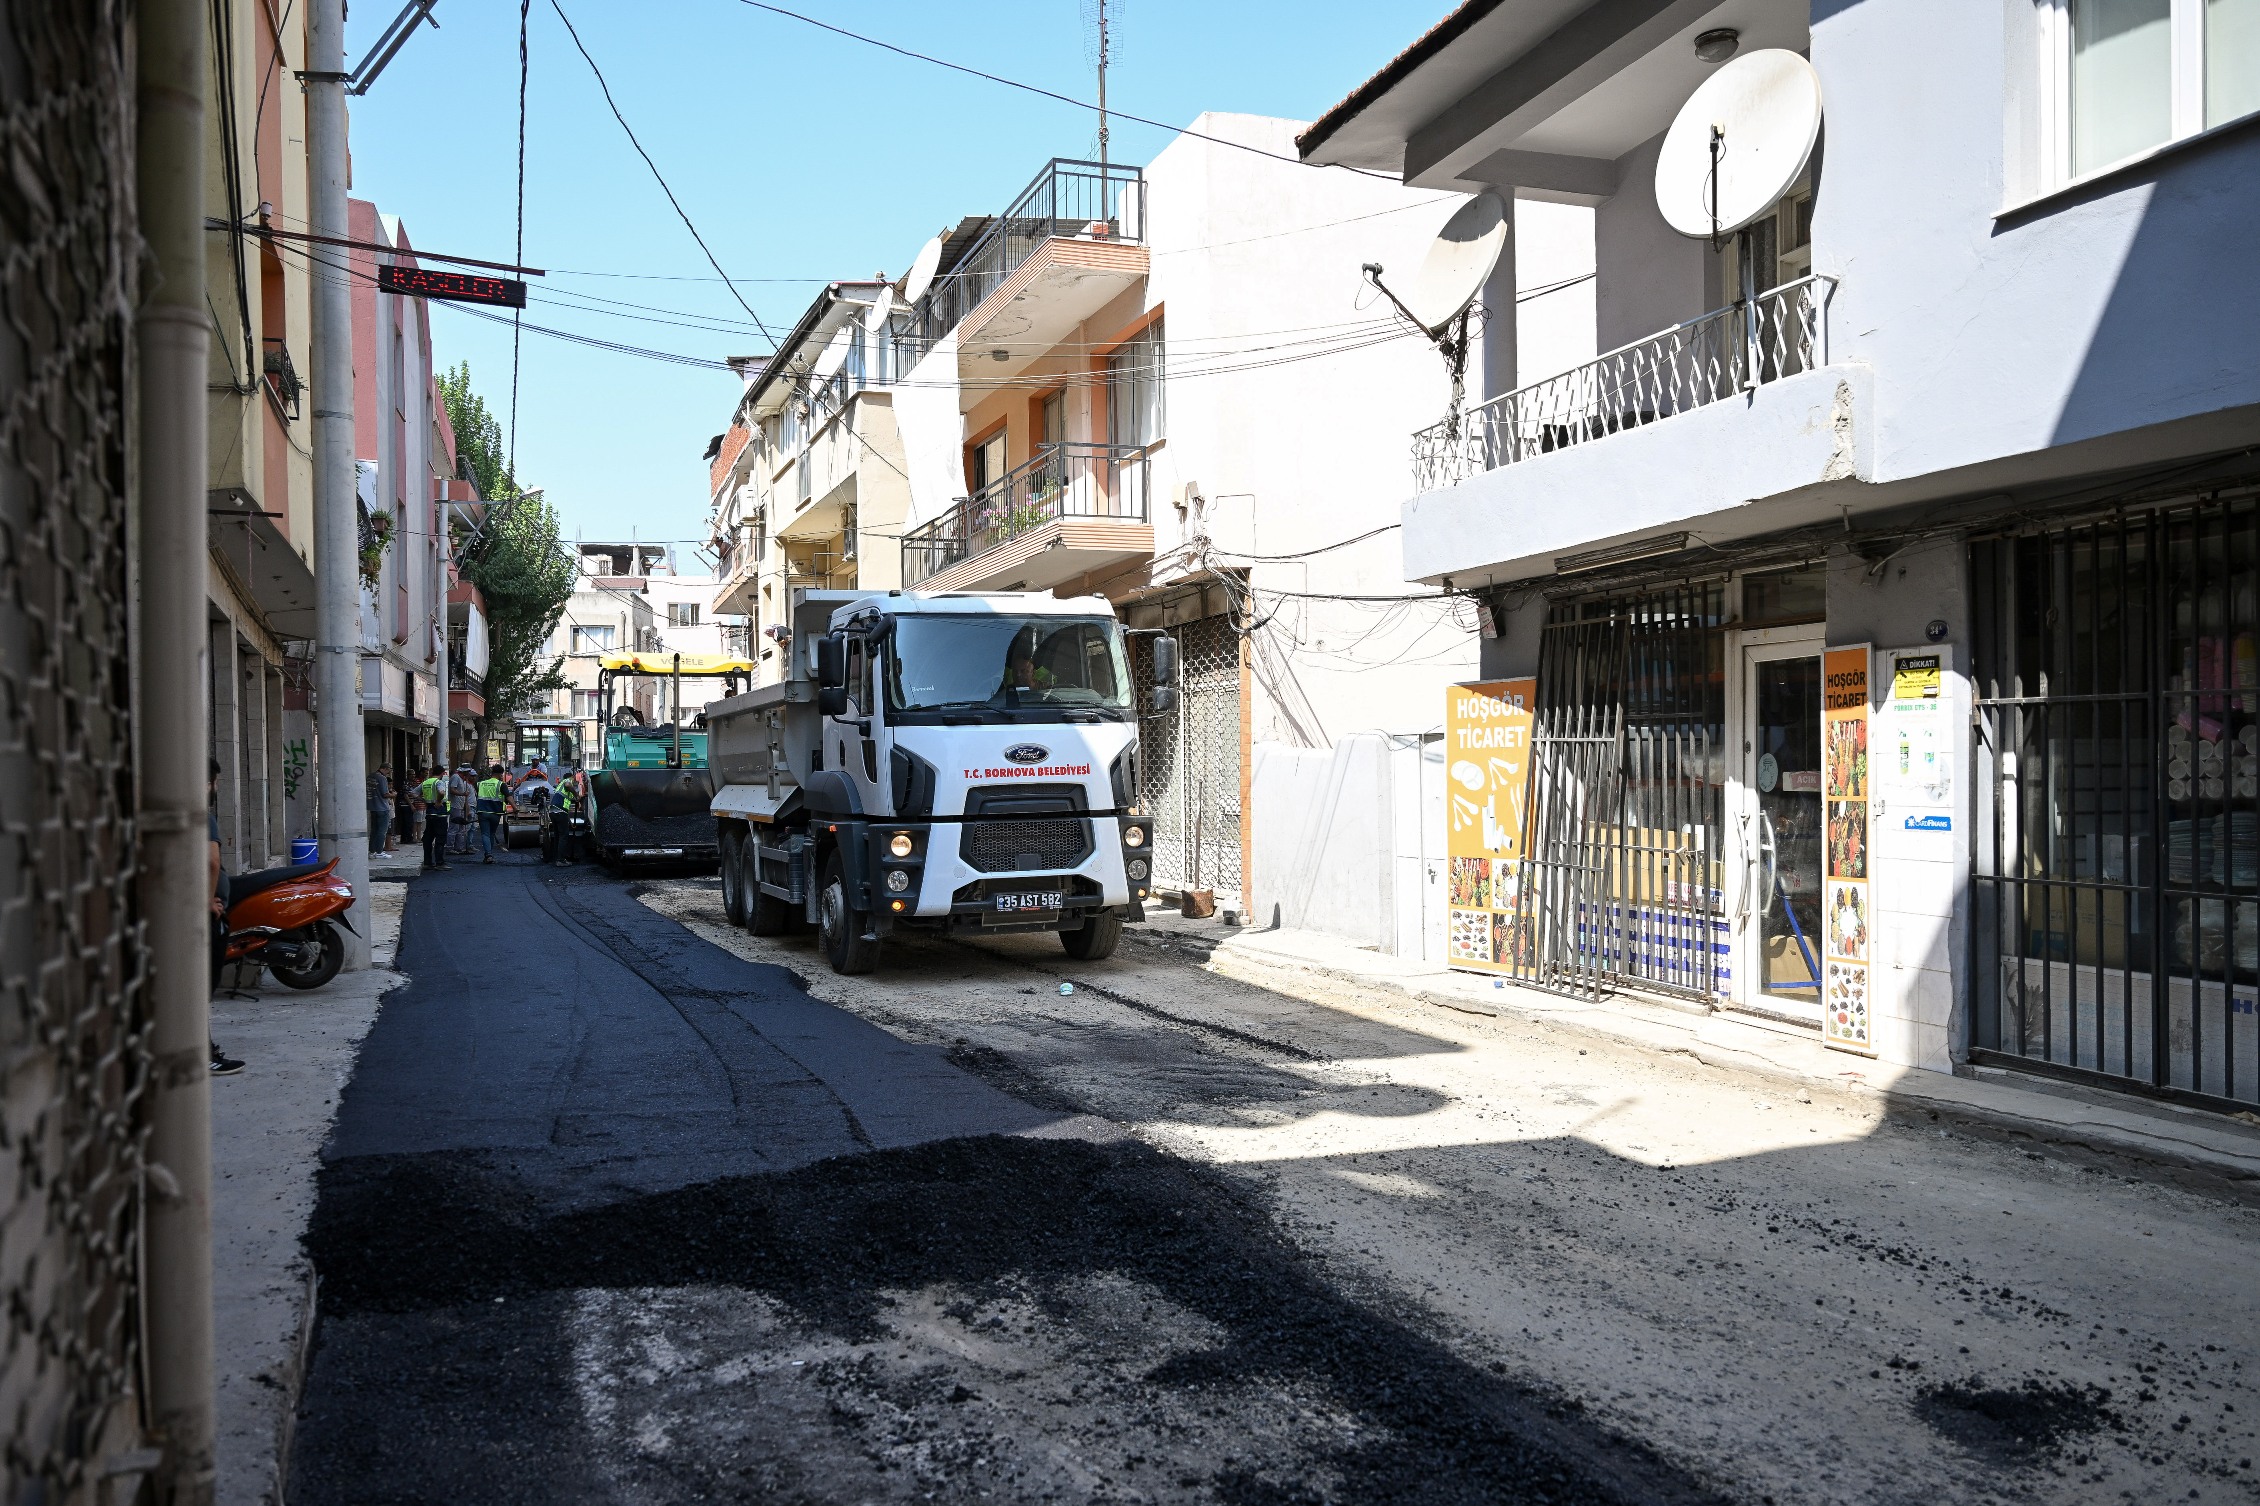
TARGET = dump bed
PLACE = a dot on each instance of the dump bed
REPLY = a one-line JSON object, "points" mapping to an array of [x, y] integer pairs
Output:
{"points": [[764, 738]]}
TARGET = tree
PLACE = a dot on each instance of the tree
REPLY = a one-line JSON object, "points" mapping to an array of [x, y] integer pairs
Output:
{"points": [[516, 558], [478, 436]]}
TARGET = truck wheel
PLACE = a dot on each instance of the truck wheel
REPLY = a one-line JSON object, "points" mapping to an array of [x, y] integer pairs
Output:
{"points": [[1095, 940], [733, 876], [840, 928]]}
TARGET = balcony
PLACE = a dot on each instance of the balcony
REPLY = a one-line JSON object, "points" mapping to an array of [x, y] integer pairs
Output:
{"points": [[1783, 332], [1722, 428], [1072, 243], [1070, 510]]}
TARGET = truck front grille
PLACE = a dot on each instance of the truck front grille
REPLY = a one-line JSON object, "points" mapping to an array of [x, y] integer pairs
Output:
{"points": [[1025, 846]]}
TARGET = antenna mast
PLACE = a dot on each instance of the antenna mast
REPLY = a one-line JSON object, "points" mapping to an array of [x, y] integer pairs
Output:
{"points": [[1102, 91]]}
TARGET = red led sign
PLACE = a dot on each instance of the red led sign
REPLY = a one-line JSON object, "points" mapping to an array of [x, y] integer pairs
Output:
{"points": [[455, 287]]}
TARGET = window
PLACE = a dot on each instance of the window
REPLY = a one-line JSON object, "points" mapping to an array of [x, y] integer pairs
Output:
{"points": [[988, 461], [682, 614], [592, 640], [1052, 414], [2136, 74], [1133, 389], [588, 705]]}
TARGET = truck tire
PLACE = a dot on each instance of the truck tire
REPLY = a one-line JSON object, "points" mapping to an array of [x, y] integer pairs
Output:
{"points": [[733, 876], [845, 946], [1094, 940]]}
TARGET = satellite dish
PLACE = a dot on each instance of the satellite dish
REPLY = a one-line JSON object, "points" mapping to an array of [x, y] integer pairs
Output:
{"points": [[1738, 143], [920, 277], [1458, 263]]}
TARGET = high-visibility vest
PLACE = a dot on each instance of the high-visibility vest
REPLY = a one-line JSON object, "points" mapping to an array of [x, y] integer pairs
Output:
{"points": [[490, 789], [431, 791]]}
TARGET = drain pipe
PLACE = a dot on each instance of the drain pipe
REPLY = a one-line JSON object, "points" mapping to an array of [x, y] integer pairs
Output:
{"points": [[174, 738]]}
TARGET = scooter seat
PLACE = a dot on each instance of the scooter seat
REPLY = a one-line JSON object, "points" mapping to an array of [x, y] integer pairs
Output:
{"points": [[242, 886]]}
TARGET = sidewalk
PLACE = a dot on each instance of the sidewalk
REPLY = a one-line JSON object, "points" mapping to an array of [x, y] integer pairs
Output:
{"points": [[268, 1125], [2058, 1113]]}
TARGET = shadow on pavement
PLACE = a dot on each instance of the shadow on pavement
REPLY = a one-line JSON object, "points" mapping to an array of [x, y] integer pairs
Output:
{"points": [[991, 1317]]}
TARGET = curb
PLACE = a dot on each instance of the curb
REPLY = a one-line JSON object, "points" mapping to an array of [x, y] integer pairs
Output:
{"points": [[2010, 1105]]}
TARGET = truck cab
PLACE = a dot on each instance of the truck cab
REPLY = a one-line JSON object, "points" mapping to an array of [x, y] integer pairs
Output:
{"points": [[937, 762]]}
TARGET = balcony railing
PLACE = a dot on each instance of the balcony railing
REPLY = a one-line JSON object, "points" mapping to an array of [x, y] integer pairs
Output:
{"points": [[1061, 481], [1068, 200], [1783, 332]]}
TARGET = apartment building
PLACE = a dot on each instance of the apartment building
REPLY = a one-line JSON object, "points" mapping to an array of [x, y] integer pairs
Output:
{"points": [[260, 498], [410, 494], [810, 468], [1885, 595], [1171, 386]]}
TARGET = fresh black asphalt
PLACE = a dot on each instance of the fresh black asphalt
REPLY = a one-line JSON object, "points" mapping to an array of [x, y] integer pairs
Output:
{"points": [[575, 1099]]}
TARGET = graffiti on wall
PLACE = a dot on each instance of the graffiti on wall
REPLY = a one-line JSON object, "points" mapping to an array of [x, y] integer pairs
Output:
{"points": [[295, 759]]}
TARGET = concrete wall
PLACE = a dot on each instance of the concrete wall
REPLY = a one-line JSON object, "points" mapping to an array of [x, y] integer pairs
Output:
{"points": [[2127, 304], [1651, 277], [1917, 981]]}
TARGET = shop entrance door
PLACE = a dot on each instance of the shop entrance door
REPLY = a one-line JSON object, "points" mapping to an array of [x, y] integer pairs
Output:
{"points": [[1778, 825]]}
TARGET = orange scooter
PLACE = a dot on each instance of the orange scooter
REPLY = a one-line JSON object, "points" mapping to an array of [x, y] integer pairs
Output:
{"points": [[280, 918]]}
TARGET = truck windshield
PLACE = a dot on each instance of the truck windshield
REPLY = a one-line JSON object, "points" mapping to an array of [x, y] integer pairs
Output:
{"points": [[968, 663]]}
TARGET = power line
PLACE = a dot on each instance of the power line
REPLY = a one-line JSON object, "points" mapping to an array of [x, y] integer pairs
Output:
{"points": [[656, 174], [525, 8], [1080, 104]]}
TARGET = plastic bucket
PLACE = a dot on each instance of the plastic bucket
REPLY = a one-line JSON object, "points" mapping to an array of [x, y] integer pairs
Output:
{"points": [[305, 850]]}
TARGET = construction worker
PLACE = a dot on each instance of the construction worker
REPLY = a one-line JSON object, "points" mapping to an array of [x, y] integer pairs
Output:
{"points": [[490, 808], [433, 793]]}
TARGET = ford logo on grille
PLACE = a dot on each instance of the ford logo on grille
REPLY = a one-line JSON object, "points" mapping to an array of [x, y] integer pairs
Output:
{"points": [[1027, 752]]}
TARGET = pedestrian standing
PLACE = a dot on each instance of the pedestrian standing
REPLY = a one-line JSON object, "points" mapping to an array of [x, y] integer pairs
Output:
{"points": [[380, 806], [460, 793], [490, 809], [432, 795]]}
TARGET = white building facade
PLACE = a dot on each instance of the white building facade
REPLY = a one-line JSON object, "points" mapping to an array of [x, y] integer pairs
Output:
{"points": [[1173, 387], [1959, 434]]}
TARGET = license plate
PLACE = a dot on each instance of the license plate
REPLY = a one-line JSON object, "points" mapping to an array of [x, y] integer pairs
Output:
{"points": [[1026, 902]]}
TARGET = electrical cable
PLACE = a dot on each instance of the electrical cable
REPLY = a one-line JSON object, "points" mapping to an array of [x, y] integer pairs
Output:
{"points": [[1064, 99], [525, 9], [657, 175]]}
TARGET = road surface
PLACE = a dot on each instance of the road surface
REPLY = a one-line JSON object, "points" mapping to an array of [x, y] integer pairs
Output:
{"points": [[618, 1210]]}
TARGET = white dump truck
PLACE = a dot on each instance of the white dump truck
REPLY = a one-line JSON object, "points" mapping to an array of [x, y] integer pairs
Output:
{"points": [[938, 762]]}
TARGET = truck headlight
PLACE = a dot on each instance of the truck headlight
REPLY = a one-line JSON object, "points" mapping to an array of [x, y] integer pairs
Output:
{"points": [[900, 844], [1134, 836], [1139, 868], [897, 881]]}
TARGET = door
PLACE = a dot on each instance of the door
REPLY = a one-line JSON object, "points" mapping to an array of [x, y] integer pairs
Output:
{"points": [[1779, 825]]}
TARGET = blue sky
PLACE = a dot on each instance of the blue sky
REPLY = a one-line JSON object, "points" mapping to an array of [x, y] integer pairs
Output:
{"points": [[802, 156]]}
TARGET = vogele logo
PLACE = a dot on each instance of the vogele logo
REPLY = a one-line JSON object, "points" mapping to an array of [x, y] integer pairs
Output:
{"points": [[1027, 753]]}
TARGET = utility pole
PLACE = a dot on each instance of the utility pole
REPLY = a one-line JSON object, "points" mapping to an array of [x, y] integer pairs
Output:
{"points": [[342, 775], [171, 662]]}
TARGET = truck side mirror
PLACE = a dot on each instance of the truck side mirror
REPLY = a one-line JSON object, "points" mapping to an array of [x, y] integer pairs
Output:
{"points": [[831, 662], [1165, 699], [1165, 660]]}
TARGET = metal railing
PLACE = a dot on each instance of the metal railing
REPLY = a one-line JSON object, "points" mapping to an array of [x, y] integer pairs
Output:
{"points": [[1068, 200], [1060, 481], [1780, 333]]}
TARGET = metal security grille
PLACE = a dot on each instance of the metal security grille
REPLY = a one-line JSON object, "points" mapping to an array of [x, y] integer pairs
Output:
{"points": [[1621, 886], [1189, 760], [2116, 844], [1025, 846], [73, 1026]]}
